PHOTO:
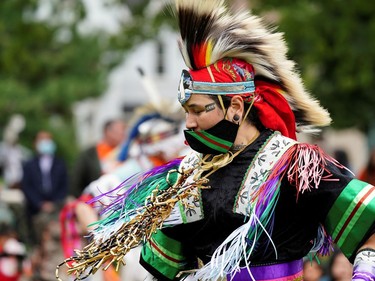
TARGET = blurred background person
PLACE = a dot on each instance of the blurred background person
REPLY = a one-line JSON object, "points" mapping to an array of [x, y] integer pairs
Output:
{"points": [[12, 153], [368, 172], [339, 268], [153, 139], [12, 254], [342, 157], [312, 270], [45, 187], [98, 159], [45, 179]]}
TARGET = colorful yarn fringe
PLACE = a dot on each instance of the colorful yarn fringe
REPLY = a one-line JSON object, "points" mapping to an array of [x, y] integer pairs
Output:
{"points": [[131, 195]]}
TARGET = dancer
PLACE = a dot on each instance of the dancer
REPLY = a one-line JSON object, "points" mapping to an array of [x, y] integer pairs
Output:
{"points": [[251, 201]]}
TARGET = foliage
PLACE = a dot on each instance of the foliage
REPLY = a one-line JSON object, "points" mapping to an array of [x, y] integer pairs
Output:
{"points": [[145, 23], [331, 42], [46, 64]]}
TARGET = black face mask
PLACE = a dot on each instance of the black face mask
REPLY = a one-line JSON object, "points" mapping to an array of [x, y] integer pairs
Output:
{"points": [[216, 140]]}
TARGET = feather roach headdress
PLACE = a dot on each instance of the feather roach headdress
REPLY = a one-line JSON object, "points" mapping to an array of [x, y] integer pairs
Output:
{"points": [[152, 122], [215, 43]]}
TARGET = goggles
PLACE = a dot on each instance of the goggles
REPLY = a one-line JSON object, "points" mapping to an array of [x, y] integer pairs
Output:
{"points": [[187, 87]]}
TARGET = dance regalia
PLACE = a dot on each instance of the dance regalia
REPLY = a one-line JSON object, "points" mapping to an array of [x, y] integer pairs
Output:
{"points": [[258, 215], [282, 200], [297, 217]]}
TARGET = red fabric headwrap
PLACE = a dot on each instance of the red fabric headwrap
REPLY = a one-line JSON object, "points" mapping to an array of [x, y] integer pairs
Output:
{"points": [[273, 109]]}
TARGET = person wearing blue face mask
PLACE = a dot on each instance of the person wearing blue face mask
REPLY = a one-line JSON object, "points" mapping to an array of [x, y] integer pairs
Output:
{"points": [[45, 179], [46, 147], [44, 183]]}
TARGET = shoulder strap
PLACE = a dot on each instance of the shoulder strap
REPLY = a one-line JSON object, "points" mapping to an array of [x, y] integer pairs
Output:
{"points": [[260, 168], [188, 209]]}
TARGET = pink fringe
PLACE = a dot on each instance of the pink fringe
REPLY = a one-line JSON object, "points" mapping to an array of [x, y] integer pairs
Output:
{"points": [[304, 165], [307, 167]]}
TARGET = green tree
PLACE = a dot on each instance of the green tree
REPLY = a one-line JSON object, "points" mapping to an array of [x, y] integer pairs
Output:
{"points": [[46, 64], [333, 45]]}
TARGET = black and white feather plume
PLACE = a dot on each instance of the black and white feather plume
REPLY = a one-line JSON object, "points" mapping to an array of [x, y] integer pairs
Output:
{"points": [[210, 31]]}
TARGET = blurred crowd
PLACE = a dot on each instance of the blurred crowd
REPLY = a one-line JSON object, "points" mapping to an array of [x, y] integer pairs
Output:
{"points": [[54, 217]]}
